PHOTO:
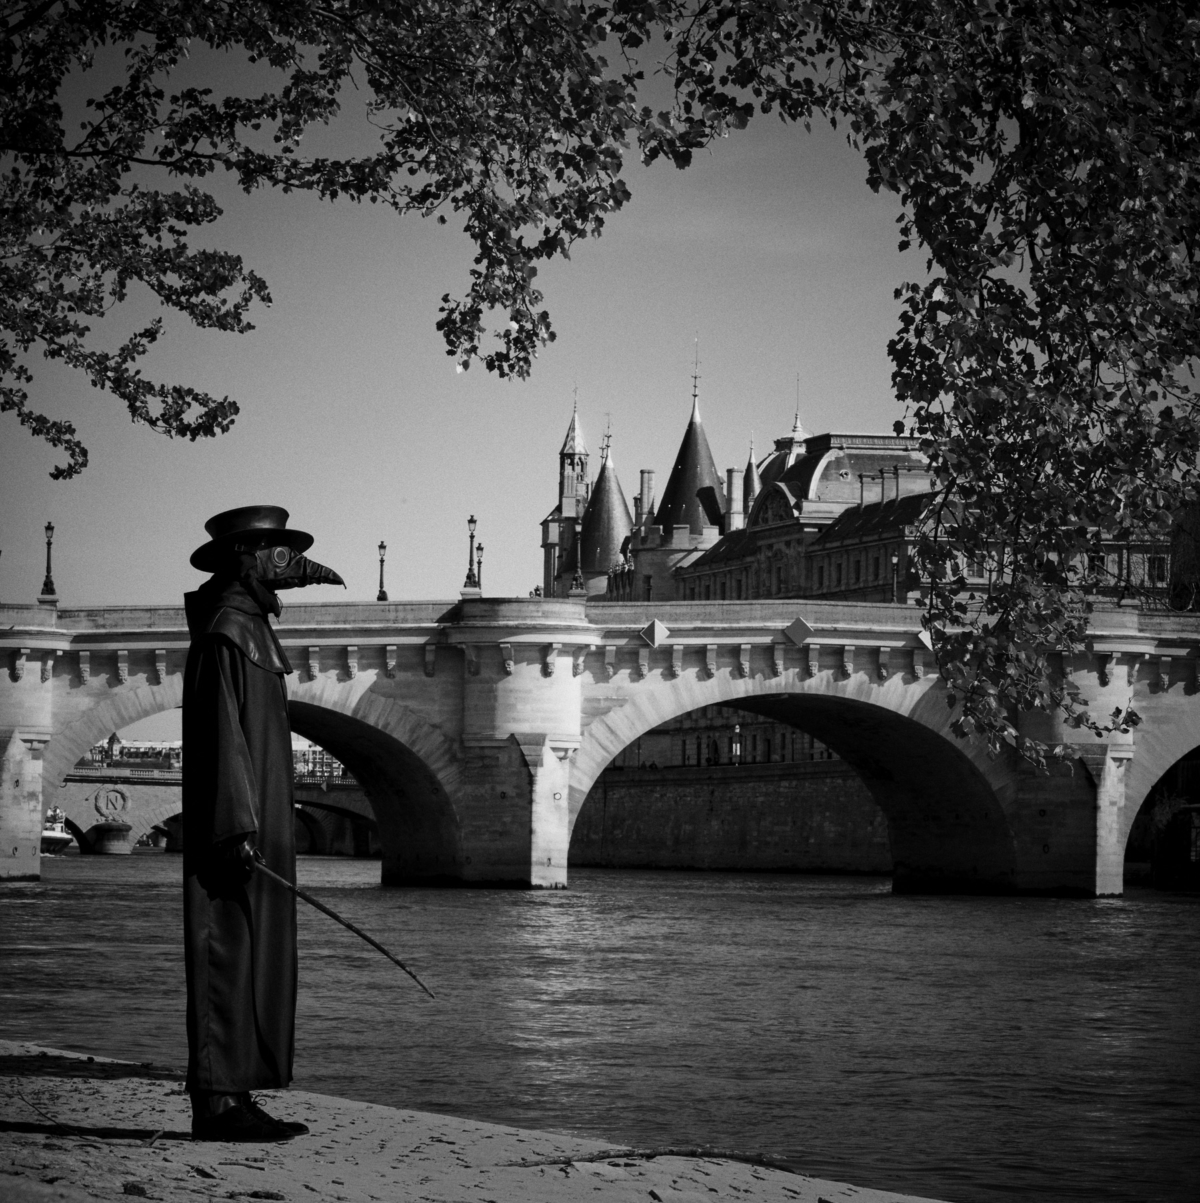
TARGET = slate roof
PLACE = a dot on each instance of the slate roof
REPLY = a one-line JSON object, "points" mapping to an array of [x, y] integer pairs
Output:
{"points": [[694, 496], [875, 521], [607, 522]]}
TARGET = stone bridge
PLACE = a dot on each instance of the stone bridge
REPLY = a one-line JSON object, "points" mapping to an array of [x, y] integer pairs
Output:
{"points": [[477, 727]]}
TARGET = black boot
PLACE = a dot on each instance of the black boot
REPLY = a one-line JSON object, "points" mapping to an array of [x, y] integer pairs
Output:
{"points": [[291, 1127], [225, 1117]]}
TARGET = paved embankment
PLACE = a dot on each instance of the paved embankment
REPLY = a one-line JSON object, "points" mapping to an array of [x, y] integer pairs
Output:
{"points": [[74, 1128]]}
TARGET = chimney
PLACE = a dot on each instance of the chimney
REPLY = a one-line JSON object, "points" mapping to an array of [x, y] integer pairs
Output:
{"points": [[646, 496], [735, 519]]}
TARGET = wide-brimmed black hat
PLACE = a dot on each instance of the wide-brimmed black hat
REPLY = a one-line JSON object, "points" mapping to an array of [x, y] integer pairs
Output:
{"points": [[249, 525]]}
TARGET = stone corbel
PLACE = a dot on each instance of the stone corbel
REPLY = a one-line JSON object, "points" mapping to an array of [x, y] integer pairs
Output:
{"points": [[918, 662], [160, 664], [352, 661], [777, 650], [643, 662], [472, 654], [85, 667], [48, 664], [18, 668], [677, 660], [506, 655], [389, 660], [710, 659], [1068, 667], [430, 658], [578, 657], [814, 658], [883, 663], [848, 660], [550, 658], [610, 661], [1103, 660], [123, 668], [1164, 672], [1135, 664], [744, 659], [314, 663]]}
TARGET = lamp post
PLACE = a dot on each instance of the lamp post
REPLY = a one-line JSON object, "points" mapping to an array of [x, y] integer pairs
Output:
{"points": [[382, 594], [472, 581], [895, 575], [736, 749], [48, 589], [479, 566]]}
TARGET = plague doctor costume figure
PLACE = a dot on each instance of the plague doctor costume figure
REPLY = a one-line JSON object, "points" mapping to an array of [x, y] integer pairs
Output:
{"points": [[239, 926]]}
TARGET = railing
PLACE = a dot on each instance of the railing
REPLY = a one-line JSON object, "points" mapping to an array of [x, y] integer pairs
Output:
{"points": [[113, 772], [120, 770]]}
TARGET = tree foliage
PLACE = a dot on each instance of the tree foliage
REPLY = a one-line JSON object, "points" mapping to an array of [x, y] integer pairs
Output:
{"points": [[1043, 155]]}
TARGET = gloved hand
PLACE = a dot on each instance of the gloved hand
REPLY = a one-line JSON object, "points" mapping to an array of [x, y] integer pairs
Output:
{"points": [[235, 858]]}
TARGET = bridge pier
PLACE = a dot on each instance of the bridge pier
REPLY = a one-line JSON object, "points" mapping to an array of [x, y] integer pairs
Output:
{"points": [[20, 811], [522, 706]]}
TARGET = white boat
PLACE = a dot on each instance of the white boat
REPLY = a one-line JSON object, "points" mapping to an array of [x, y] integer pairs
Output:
{"points": [[56, 838]]}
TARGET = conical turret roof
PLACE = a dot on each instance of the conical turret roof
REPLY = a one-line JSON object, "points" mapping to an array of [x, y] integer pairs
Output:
{"points": [[694, 496], [607, 523], [751, 482]]}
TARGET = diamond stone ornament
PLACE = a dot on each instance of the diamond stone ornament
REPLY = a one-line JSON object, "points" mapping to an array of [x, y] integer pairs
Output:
{"points": [[799, 631], [655, 633]]}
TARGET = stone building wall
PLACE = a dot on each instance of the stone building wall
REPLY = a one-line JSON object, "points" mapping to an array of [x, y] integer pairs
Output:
{"points": [[805, 817]]}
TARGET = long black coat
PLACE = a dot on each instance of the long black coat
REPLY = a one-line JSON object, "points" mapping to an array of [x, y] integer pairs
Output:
{"points": [[239, 940]]}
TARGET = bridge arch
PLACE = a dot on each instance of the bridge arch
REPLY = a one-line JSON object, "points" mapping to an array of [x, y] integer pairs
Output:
{"points": [[946, 802], [407, 768], [118, 710]]}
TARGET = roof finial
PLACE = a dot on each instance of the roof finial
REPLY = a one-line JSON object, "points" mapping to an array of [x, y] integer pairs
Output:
{"points": [[696, 383], [606, 441], [796, 427]]}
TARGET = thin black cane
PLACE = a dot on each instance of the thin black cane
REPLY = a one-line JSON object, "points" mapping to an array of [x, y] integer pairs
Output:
{"points": [[283, 881]]}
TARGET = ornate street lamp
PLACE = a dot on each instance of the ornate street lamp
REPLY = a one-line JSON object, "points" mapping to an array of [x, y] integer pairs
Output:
{"points": [[472, 581], [382, 594], [895, 575], [736, 749], [48, 589], [479, 566]]}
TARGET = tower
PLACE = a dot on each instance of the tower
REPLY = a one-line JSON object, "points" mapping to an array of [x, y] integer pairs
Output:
{"points": [[689, 517], [605, 528], [560, 527]]}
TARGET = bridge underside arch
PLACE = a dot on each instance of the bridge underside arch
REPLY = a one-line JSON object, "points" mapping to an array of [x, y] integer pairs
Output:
{"points": [[1164, 830], [944, 801], [947, 828], [417, 823]]}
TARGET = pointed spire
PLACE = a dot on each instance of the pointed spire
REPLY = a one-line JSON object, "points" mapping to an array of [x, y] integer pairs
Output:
{"points": [[751, 482], [695, 495], [607, 522], [696, 384], [573, 443], [798, 431]]}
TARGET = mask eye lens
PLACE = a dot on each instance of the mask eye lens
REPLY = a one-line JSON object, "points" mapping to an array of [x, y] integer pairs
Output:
{"points": [[280, 556]]}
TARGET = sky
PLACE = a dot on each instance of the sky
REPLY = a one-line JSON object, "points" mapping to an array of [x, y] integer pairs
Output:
{"points": [[769, 254]]}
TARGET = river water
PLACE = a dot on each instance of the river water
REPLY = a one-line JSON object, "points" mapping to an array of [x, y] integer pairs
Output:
{"points": [[968, 1049]]}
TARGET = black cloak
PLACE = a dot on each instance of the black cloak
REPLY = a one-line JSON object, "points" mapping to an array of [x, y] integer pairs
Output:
{"points": [[239, 938]]}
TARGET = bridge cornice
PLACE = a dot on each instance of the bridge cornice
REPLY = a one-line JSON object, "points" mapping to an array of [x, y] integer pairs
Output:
{"points": [[1114, 631]]}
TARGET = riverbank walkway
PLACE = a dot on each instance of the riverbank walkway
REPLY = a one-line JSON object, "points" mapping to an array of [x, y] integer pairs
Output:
{"points": [[75, 1128]]}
